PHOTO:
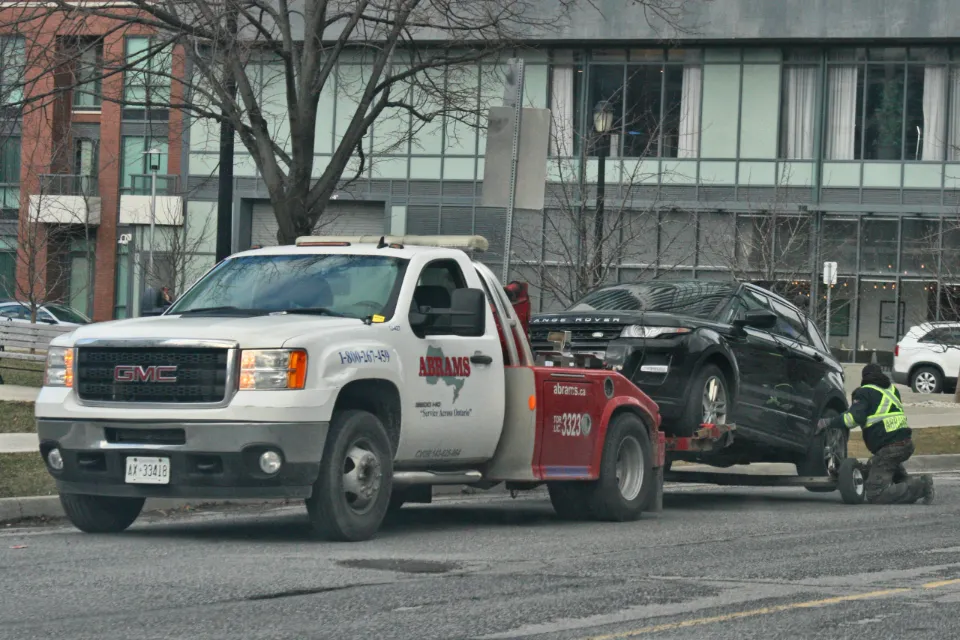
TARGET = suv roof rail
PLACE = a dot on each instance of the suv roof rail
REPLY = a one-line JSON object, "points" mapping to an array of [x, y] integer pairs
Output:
{"points": [[475, 243]]}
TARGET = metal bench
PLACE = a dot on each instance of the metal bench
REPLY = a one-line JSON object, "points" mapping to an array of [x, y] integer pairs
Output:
{"points": [[26, 342]]}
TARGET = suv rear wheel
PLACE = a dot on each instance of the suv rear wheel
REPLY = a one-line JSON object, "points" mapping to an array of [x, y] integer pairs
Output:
{"points": [[926, 380], [827, 451]]}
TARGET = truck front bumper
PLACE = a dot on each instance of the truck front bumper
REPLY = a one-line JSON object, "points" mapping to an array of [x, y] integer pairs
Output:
{"points": [[207, 459]]}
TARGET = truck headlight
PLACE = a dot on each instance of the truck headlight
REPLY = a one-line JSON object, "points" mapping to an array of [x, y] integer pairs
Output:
{"points": [[58, 371], [272, 369], [640, 331]]}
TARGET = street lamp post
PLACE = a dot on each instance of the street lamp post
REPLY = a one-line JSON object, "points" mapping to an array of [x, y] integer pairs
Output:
{"points": [[154, 160], [602, 123]]}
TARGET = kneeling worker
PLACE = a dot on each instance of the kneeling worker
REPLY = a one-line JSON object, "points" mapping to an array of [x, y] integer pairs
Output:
{"points": [[878, 410]]}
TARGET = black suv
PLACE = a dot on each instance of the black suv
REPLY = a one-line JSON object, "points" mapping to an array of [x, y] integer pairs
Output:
{"points": [[716, 352]]}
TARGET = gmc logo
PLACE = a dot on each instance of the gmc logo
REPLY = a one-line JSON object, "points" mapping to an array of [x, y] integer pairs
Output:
{"points": [[153, 373]]}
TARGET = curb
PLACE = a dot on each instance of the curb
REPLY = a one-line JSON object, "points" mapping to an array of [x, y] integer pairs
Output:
{"points": [[48, 507]]}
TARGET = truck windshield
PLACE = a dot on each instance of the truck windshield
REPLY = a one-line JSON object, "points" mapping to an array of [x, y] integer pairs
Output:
{"points": [[697, 299], [355, 286]]}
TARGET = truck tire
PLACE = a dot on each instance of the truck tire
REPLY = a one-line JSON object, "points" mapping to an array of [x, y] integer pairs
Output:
{"points": [[571, 500], [101, 514], [814, 462], [626, 471], [352, 493], [708, 381], [398, 498]]}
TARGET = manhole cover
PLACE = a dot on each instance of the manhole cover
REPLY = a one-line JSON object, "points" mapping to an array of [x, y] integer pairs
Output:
{"points": [[402, 566]]}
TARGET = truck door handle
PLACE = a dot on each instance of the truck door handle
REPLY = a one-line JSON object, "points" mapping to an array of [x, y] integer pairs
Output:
{"points": [[479, 358]]}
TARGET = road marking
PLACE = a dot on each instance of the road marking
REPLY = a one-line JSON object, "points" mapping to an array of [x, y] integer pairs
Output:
{"points": [[697, 622], [941, 583]]}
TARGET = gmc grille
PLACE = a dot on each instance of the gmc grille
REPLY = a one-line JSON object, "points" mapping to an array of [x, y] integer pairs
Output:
{"points": [[581, 335], [201, 374]]}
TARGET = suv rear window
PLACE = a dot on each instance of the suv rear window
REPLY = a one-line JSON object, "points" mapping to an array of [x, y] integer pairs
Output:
{"points": [[697, 299], [943, 335]]}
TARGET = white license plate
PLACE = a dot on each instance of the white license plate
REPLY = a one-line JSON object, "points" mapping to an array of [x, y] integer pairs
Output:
{"points": [[148, 471]]}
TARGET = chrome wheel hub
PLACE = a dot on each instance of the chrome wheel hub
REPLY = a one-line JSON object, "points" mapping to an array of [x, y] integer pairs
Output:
{"points": [[630, 468], [714, 401]]}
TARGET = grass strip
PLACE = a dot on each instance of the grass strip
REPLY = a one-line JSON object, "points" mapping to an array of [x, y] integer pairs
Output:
{"points": [[929, 441], [17, 417], [24, 474]]}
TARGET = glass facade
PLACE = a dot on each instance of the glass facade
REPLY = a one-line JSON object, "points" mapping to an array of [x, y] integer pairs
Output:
{"points": [[755, 163]]}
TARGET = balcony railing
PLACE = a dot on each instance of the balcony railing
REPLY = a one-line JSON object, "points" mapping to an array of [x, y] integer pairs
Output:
{"points": [[140, 185], [63, 184]]}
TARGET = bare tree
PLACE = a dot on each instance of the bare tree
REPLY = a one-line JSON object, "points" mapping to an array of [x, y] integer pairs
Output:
{"points": [[597, 230], [414, 56], [180, 250], [65, 209]]}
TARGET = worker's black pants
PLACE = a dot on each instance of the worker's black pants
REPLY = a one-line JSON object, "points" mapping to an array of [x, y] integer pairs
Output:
{"points": [[887, 479]]}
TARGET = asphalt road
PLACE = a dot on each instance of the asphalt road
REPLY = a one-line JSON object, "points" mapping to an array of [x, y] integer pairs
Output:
{"points": [[717, 563]]}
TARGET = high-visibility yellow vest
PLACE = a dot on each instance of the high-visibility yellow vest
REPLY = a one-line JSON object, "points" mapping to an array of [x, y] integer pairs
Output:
{"points": [[889, 412]]}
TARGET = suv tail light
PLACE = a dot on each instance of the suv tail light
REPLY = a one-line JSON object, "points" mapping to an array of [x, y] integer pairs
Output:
{"points": [[896, 351]]}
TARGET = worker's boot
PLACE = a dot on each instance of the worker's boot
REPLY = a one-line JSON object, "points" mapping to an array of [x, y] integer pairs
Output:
{"points": [[928, 490]]}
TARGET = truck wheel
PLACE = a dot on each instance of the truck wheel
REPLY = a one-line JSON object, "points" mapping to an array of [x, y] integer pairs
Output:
{"points": [[827, 450], [851, 481], [101, 514], [352, 493], [626, 471], [398, 498], [710, 401], [570, 499]]}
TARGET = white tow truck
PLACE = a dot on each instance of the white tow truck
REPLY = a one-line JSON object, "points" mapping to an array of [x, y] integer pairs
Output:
{"points": [[353, 372]]}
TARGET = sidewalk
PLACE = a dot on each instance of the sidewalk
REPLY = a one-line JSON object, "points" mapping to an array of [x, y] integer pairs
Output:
{"points": [[19, 443], [13, 393]]}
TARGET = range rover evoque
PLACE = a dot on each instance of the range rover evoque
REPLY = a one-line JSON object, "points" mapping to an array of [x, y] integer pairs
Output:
{"points": [[716, 352]]}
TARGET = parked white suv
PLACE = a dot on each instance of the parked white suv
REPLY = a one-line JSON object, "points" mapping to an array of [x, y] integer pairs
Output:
{"points": [[928, 357]]}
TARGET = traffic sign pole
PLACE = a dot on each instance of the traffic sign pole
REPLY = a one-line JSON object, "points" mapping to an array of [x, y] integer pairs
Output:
{"points": [[829, 279]]}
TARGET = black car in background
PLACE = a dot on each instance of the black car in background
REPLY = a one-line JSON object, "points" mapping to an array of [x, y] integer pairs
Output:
{"points": [[716, 352]]}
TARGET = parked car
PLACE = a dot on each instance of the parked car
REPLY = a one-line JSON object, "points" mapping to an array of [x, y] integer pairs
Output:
{"points": [[13, 311], [716, 352], [928, 357]]}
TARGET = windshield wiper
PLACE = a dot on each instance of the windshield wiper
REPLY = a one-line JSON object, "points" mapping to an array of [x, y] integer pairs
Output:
{"points": [[224, 309], [314, 311]]}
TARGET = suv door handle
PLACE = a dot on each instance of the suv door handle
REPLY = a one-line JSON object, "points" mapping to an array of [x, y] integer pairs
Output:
{"points": [[479, 358]]}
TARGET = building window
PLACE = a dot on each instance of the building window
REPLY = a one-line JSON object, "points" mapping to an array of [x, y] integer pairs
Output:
{"points": [[889, 104], [654, 95], [879, 246], [799, 104], [87, 75], [10, 179], [146, 83], [12, 65], [136, 170]]}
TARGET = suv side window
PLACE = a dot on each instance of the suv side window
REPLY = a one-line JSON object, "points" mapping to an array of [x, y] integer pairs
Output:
{"points": [[748, 300], [816, 338], [789, 323], [435, 287]]}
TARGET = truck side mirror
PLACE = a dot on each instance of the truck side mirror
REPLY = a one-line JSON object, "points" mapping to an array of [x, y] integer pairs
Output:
{"points": [[468, 315]]}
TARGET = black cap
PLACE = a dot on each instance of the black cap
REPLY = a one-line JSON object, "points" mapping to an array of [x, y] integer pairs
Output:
{"points": [[873, 374]]}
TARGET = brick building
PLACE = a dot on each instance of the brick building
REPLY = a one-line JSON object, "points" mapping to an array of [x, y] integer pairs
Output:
{"points": [[75, 181]]}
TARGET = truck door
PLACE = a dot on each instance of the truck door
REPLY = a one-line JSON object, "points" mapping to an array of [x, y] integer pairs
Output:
{"points": [[453, 403]]}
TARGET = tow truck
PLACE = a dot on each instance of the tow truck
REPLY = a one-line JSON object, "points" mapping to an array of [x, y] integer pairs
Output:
{"points": [[353, 372]]}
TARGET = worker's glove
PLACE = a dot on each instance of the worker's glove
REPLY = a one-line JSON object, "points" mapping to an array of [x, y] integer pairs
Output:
{"points": [[822, 424]]}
